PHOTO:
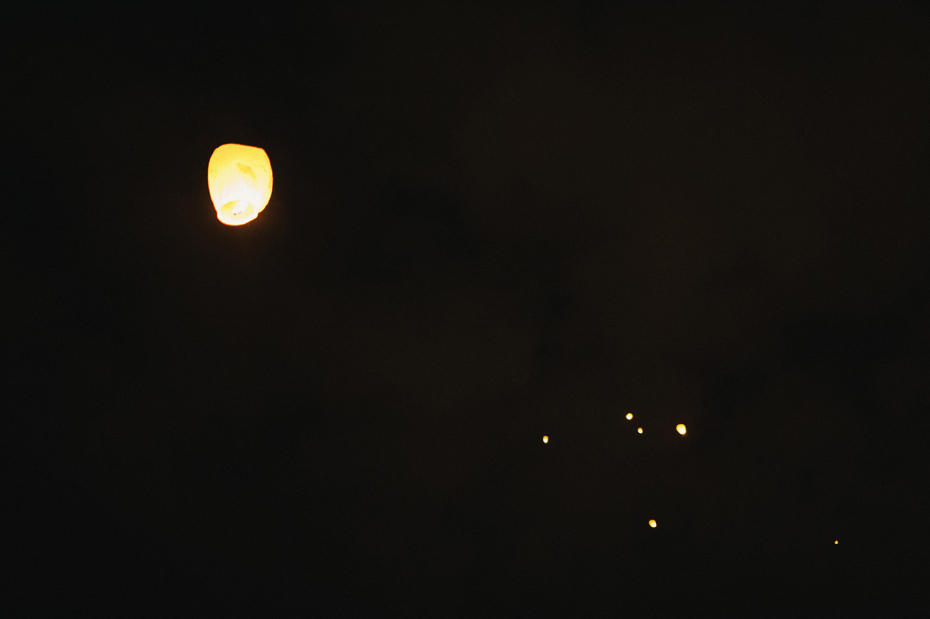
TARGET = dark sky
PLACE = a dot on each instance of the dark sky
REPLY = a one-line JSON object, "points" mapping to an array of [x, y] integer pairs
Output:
{"points": [[488, 224]]}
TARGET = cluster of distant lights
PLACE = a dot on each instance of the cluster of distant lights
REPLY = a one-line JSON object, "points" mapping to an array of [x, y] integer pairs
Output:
{"points": [[681, 429]]}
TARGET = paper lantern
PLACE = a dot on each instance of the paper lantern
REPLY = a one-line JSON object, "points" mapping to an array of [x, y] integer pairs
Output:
{"points": [[545, 439], [629, 415], [681, 429], [652, 523], [239, 178]]}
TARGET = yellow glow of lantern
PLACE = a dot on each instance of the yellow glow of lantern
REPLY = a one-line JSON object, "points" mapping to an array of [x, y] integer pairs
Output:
{"points": [[652, 523], [629, 415], [836, 541], [640, 430], [545, 439], [239, 178], [681, 429]]}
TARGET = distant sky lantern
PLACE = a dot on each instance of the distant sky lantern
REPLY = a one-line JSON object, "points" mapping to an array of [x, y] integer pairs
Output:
{"points": [[836, 541], [629, 415], [640, 430], [545, 439], [239, 178], [652, 523], [681, 429]]}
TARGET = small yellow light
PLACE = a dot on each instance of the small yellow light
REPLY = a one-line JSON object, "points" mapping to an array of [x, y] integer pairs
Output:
{"points": [[652, 523], [239, 178], [640, 430], [681, 429], [545, 439], [836, 541], [629, 415]]}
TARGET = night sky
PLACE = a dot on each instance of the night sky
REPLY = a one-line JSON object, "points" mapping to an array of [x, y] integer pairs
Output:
{"points": [[490, 223]]}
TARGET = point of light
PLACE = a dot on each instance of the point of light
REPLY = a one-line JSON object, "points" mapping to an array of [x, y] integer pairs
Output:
{"points": [[629, 415], [836, 541], [652, 523], [681, 429], [640, 430], [545, 439]]}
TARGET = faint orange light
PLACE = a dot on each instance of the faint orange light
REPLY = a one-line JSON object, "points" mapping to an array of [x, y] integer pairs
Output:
{"points": [[652, 523], [629, 415], [640, 430], [239, 178], [681, 429], [545, 439], [836, 541]]}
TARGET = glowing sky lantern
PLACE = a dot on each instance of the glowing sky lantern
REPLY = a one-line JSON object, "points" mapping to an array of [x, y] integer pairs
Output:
{"points": [[629, 415], [681, 429], [239, 178], [640, 430], [545, 439], [652, 523]]}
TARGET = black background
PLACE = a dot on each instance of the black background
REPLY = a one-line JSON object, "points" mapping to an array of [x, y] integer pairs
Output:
{"points": [[489, 223]]}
